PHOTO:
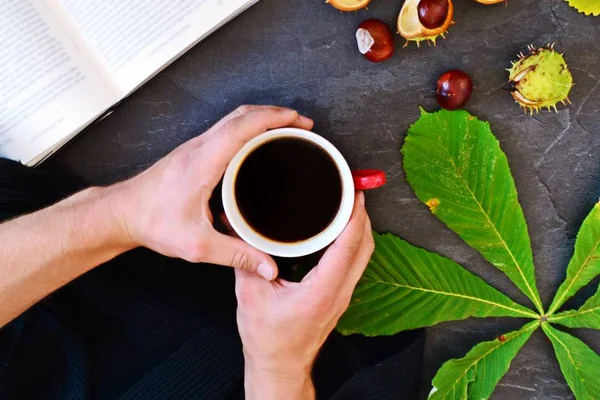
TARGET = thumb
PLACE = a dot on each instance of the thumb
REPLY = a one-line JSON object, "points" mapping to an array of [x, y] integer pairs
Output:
{"points": [[234, 252]]}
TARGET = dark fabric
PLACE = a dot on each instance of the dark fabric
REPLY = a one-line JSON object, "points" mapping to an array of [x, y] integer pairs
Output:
{"points": [[147, 327], [396, 377]]}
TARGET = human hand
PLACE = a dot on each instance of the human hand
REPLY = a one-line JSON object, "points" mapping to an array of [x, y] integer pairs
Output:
{"points": [[166, 207], [284, 324]]}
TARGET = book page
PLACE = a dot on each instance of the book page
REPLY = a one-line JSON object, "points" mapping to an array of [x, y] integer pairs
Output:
{"points": [[134, 39], [47, 88]]}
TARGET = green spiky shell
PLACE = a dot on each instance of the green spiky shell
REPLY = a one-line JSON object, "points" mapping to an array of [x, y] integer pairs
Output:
{"points": [[587, 7], [546, 82], [429, 39]]}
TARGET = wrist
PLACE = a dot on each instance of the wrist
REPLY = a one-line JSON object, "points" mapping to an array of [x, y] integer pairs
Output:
{"points": [[274, 385], [119, 204], [102, 211]]}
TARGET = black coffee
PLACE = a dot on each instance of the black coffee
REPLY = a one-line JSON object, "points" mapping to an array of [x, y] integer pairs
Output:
{"points": [[288, 190]]}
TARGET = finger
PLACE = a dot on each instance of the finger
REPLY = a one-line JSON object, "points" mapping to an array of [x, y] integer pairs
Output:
{"points": [[330, 274], [234, 134], [238, 112], [360, 262], [233, 252], [249, 290], [245, 278]]}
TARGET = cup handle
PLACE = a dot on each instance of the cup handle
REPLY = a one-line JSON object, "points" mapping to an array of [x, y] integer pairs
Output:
{"points": [[365, 179]]}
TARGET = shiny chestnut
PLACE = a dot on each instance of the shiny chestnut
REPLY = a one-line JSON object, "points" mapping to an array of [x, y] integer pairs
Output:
{"points": [[375, 40], [433, 13], [454, 89]]}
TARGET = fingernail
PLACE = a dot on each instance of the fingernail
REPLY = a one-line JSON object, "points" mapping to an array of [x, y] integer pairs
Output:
{"points": [[361, 198], [292, 112], [305, 120], [265, 271]]}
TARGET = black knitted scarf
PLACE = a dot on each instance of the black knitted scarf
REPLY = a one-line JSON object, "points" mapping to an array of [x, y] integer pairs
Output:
{"points": [[147, 327]]}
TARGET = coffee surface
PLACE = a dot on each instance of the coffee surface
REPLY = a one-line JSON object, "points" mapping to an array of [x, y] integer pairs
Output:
{"points": [[288, 190]]}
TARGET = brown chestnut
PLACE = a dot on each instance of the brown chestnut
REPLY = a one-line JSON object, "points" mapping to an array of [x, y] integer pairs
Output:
{"points": [[454, 89], [433, 13], [375, 40]]}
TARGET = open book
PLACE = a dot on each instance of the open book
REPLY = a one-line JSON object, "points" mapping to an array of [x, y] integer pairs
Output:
{"points": [[63, 63]]}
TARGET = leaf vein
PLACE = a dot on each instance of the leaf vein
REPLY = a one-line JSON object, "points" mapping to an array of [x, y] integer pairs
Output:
{"points": [[529, 314]]}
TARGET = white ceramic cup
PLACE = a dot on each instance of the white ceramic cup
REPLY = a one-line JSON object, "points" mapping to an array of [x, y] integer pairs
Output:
{"points": [[282, 249]]}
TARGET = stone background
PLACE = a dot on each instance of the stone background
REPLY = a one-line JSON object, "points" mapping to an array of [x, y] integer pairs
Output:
{"points": [[302, 54]]}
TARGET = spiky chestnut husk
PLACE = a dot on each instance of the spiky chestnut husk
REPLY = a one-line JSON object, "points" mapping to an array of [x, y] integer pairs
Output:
{"points": [[540, 79], [410, 28], [348, 5], [587, 7]]}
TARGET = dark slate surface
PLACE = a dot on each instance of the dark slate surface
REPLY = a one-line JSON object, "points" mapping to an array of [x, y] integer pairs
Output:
{"points": [[302, 53]]}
